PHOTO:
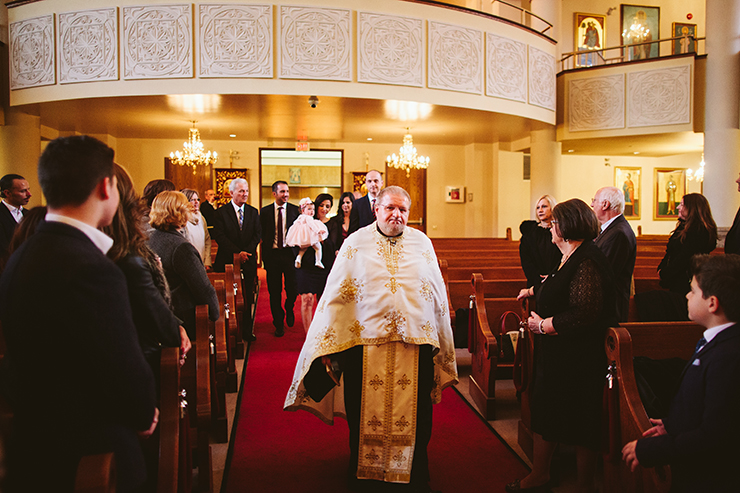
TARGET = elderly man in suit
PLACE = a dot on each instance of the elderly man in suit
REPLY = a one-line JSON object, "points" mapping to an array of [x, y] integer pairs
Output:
{"points": [[82, 385], [15, 193], [699, 436], [278, 258], [617, 240], [237, 229], [363, 210]]}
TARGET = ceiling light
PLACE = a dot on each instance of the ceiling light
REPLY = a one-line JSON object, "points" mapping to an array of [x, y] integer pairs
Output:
{"points": [[407, 158], [233, 136], [699, 175], [369, 138], [636, 153], [570, 150], [192, 154]]}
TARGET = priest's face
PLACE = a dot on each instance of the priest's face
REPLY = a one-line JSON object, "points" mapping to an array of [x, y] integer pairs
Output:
{"points": [[392, 214]]}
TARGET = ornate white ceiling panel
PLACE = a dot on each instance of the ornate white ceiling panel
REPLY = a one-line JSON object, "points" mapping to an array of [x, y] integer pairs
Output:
{"points": [[157, 41], [455, 58], [596, 103], [88, 46], [506, 68], [541, 79], [315, 43], [32, 52], [235, 41], [659, 97], [390, 49]]}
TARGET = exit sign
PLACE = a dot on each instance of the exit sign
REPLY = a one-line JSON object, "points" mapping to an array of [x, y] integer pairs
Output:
{"points": [[302, 146]]}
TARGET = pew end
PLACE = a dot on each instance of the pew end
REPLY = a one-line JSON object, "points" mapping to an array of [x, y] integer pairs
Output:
{"points": [[96, 474]]}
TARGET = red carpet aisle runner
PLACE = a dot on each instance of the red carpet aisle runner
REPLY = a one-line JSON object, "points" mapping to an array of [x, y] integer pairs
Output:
{"points": [[279, 451]]}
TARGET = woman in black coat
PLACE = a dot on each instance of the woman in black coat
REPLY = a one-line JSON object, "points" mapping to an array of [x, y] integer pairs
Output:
{"points": [[148, 291], [537, 253], [696, 232], [182, 264], [575, 305]]}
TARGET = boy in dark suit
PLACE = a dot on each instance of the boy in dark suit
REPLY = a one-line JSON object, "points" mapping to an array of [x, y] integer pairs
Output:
{"points": [[81, 384], [700, 437]]}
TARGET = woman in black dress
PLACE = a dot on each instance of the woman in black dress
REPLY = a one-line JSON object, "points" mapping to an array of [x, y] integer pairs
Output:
{"points": [[311, 280], [537, 253], [339, 224], [696, 232], [575, 305]]}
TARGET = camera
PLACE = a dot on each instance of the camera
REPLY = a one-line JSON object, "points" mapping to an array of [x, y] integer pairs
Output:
{"points": [[313, 101]]}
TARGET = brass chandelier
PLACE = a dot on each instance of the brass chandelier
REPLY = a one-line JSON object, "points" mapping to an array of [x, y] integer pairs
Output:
{"points": [[192, 154], [407, 158]]}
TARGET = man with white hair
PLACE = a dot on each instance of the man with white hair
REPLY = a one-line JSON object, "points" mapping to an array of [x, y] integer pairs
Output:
{"points": [[617, 240], [237, 229], [382, 331]]}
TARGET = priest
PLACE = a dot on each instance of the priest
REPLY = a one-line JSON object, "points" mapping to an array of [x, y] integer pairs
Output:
{"points": [[380, 348]]}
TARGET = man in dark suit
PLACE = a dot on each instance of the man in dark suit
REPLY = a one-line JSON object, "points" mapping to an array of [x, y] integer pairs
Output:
{"points": [[237, 229], [732, 240], [363, 210], [81, 384], [279, 260], [699, 437], [15, 194], [617, 240], [207, 209]]}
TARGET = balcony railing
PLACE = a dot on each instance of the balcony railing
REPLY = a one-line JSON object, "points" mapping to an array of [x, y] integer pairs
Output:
{"points": [[678, 45]]}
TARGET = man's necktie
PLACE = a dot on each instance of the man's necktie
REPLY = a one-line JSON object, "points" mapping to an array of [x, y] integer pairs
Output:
{"points": [[241, 218], [280, 228], [372, 206], [702, 342]]}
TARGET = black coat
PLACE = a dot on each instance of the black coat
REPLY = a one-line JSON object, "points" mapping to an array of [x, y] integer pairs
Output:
{"points": [[537, 253], [7, 227], [361, 214], [619, 244], [82, 383], [231, 239], [676, 264], [732, 240], [569, 367], [209, 212], [702, 424], [186, 276]]}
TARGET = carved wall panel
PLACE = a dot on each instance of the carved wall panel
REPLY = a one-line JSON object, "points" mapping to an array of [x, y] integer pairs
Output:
{"points": [[659, 97], [32, 52], [455, 58], [315, 43], [506, 68], [596, 103], [390, 49], [235, 41], [157, 42], [541, 79], [88, 46]]}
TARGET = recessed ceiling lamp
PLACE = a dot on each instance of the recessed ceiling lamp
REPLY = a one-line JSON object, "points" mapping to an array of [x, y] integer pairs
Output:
{"points": [[192, 154]]}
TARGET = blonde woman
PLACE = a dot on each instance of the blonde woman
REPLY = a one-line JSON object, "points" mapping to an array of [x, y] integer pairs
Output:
{"points": [[196, 229], [182, 264]]}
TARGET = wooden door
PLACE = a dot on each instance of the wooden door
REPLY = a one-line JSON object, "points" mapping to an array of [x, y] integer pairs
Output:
{"points": [[416, 185], [183, 177]]}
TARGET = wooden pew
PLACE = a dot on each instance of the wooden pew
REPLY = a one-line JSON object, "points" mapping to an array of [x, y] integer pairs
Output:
{"points": [[231, 327], [626, 415], [219, 365], [460, 290], [96, 474], [452, 243], [174, 446], [485, 321], [488, 272]]}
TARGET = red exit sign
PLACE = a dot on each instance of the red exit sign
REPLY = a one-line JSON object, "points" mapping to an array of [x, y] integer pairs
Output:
{"points": [[302, 146]]}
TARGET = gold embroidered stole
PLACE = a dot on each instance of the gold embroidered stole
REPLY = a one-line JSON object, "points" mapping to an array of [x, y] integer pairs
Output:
{"points": [[388, 416]]}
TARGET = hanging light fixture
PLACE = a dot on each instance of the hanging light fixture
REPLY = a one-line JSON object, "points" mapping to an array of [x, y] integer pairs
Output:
{"points": [[192, 154], [407, 158], [699, 175]]}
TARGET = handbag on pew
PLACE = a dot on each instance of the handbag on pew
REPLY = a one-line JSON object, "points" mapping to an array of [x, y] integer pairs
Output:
{"points": [[508, 336]]}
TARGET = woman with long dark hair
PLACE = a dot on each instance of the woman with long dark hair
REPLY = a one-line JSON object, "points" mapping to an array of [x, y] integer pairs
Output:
{"points": [[339, 224], [149, 293], [696, 232]]}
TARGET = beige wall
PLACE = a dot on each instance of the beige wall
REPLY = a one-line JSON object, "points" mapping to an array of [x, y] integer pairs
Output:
{"points": [[19, 150]]}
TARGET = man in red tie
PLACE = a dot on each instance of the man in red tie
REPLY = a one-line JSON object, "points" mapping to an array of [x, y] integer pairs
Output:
{"points": [[279, 259], [363, 210]]}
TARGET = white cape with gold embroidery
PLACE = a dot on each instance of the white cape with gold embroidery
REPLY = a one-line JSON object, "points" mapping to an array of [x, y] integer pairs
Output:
{"points": [[379, 290]]}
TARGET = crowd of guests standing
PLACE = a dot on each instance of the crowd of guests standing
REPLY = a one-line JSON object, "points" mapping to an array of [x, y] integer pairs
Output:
{"points": [[579, 263]]}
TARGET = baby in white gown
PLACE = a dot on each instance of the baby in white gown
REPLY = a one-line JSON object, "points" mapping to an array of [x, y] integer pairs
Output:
{"points": [[307, 232]]}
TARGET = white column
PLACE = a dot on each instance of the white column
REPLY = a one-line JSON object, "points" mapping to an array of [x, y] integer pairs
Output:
{"points": [[722, 111], [544, 165]]}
